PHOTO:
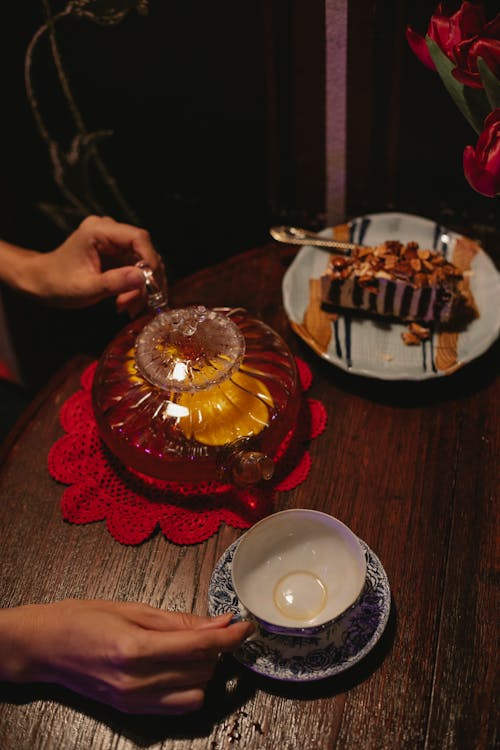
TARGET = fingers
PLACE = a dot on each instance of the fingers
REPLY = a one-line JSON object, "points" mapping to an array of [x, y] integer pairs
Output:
{"points": [[218, 621], [168, 693], [133, 302], [114, 237], [93, 288], [167, 620], [118, 280], [181, 702], [235, 634], [194, 645], [163, 687], [153, 618], [175, 636], [127, 284], [225, 637], [169, 703], [120, 244]]}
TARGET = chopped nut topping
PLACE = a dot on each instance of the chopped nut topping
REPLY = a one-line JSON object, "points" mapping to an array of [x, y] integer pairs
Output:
{"points": [[410, 339], [421, 331], [362, 251], [415, 264], [415, 334], [394, 260]]}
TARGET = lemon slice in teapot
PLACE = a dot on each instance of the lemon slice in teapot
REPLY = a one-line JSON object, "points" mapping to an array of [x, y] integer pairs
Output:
{"points": [[231, 410]]}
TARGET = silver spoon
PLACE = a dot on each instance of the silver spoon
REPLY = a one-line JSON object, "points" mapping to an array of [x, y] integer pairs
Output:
{"points": [[297, 236]]}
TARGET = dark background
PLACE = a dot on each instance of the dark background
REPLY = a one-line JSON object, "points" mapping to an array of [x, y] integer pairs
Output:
{"points": [[217, 113]]}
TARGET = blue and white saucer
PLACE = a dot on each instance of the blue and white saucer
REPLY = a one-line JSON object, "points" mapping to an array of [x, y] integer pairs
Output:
{"points": [[300, 659]]}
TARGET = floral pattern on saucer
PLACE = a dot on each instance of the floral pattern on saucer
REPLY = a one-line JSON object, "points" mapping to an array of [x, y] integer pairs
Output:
{"points": [[300, 659]]}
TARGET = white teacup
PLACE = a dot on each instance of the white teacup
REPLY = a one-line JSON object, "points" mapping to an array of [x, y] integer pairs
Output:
{"points": [[297, 571]]}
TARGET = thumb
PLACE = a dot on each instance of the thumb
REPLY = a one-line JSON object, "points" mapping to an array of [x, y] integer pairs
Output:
{"points": [[119, 280], [190, 621], [208, 623]]}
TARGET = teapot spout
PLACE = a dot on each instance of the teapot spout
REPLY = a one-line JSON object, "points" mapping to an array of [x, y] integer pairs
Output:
{"points": [[247, 467]]}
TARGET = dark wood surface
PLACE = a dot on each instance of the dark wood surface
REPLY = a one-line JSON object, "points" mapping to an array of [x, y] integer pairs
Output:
{"points": [[411, 468]]}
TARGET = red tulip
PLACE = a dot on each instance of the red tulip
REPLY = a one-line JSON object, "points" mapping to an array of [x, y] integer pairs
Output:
{"points": [[462, 36], [482, 164]]}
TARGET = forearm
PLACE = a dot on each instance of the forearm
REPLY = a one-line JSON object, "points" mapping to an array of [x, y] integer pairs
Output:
{"points": [[16, 630], [20, 268]]}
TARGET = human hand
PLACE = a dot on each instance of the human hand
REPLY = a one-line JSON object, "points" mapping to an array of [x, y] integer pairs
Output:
{"points": [[132, 656], [97, 261]]}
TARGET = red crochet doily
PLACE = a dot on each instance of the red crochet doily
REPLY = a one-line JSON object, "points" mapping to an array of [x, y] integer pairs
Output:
{"points": [[135, 506]]}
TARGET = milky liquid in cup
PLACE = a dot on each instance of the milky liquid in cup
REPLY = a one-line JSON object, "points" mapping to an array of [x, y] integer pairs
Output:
{"points": [[300, 595]]}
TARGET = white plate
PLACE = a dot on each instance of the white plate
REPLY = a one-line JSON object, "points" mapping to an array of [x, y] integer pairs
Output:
{"points": [[374, 348], [334, 650]]}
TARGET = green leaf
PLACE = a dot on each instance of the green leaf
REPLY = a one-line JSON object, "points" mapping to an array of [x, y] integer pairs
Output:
{"points": [[473, 103], [490, 82]]}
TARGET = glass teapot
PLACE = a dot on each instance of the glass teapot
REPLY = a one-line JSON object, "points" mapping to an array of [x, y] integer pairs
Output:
{"points": [[194, 394]]}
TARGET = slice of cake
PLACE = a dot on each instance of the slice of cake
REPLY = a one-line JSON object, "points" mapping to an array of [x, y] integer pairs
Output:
{"points": [[394, 280]]}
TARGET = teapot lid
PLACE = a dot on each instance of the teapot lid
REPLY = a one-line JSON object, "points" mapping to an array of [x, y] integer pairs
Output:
{"points": [[189, 349]]}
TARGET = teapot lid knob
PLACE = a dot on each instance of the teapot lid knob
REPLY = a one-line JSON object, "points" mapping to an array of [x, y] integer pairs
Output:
{"points": [[157, 297]]}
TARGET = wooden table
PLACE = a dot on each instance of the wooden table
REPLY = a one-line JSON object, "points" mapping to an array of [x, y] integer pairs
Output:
{"points": [[412, 468]]}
